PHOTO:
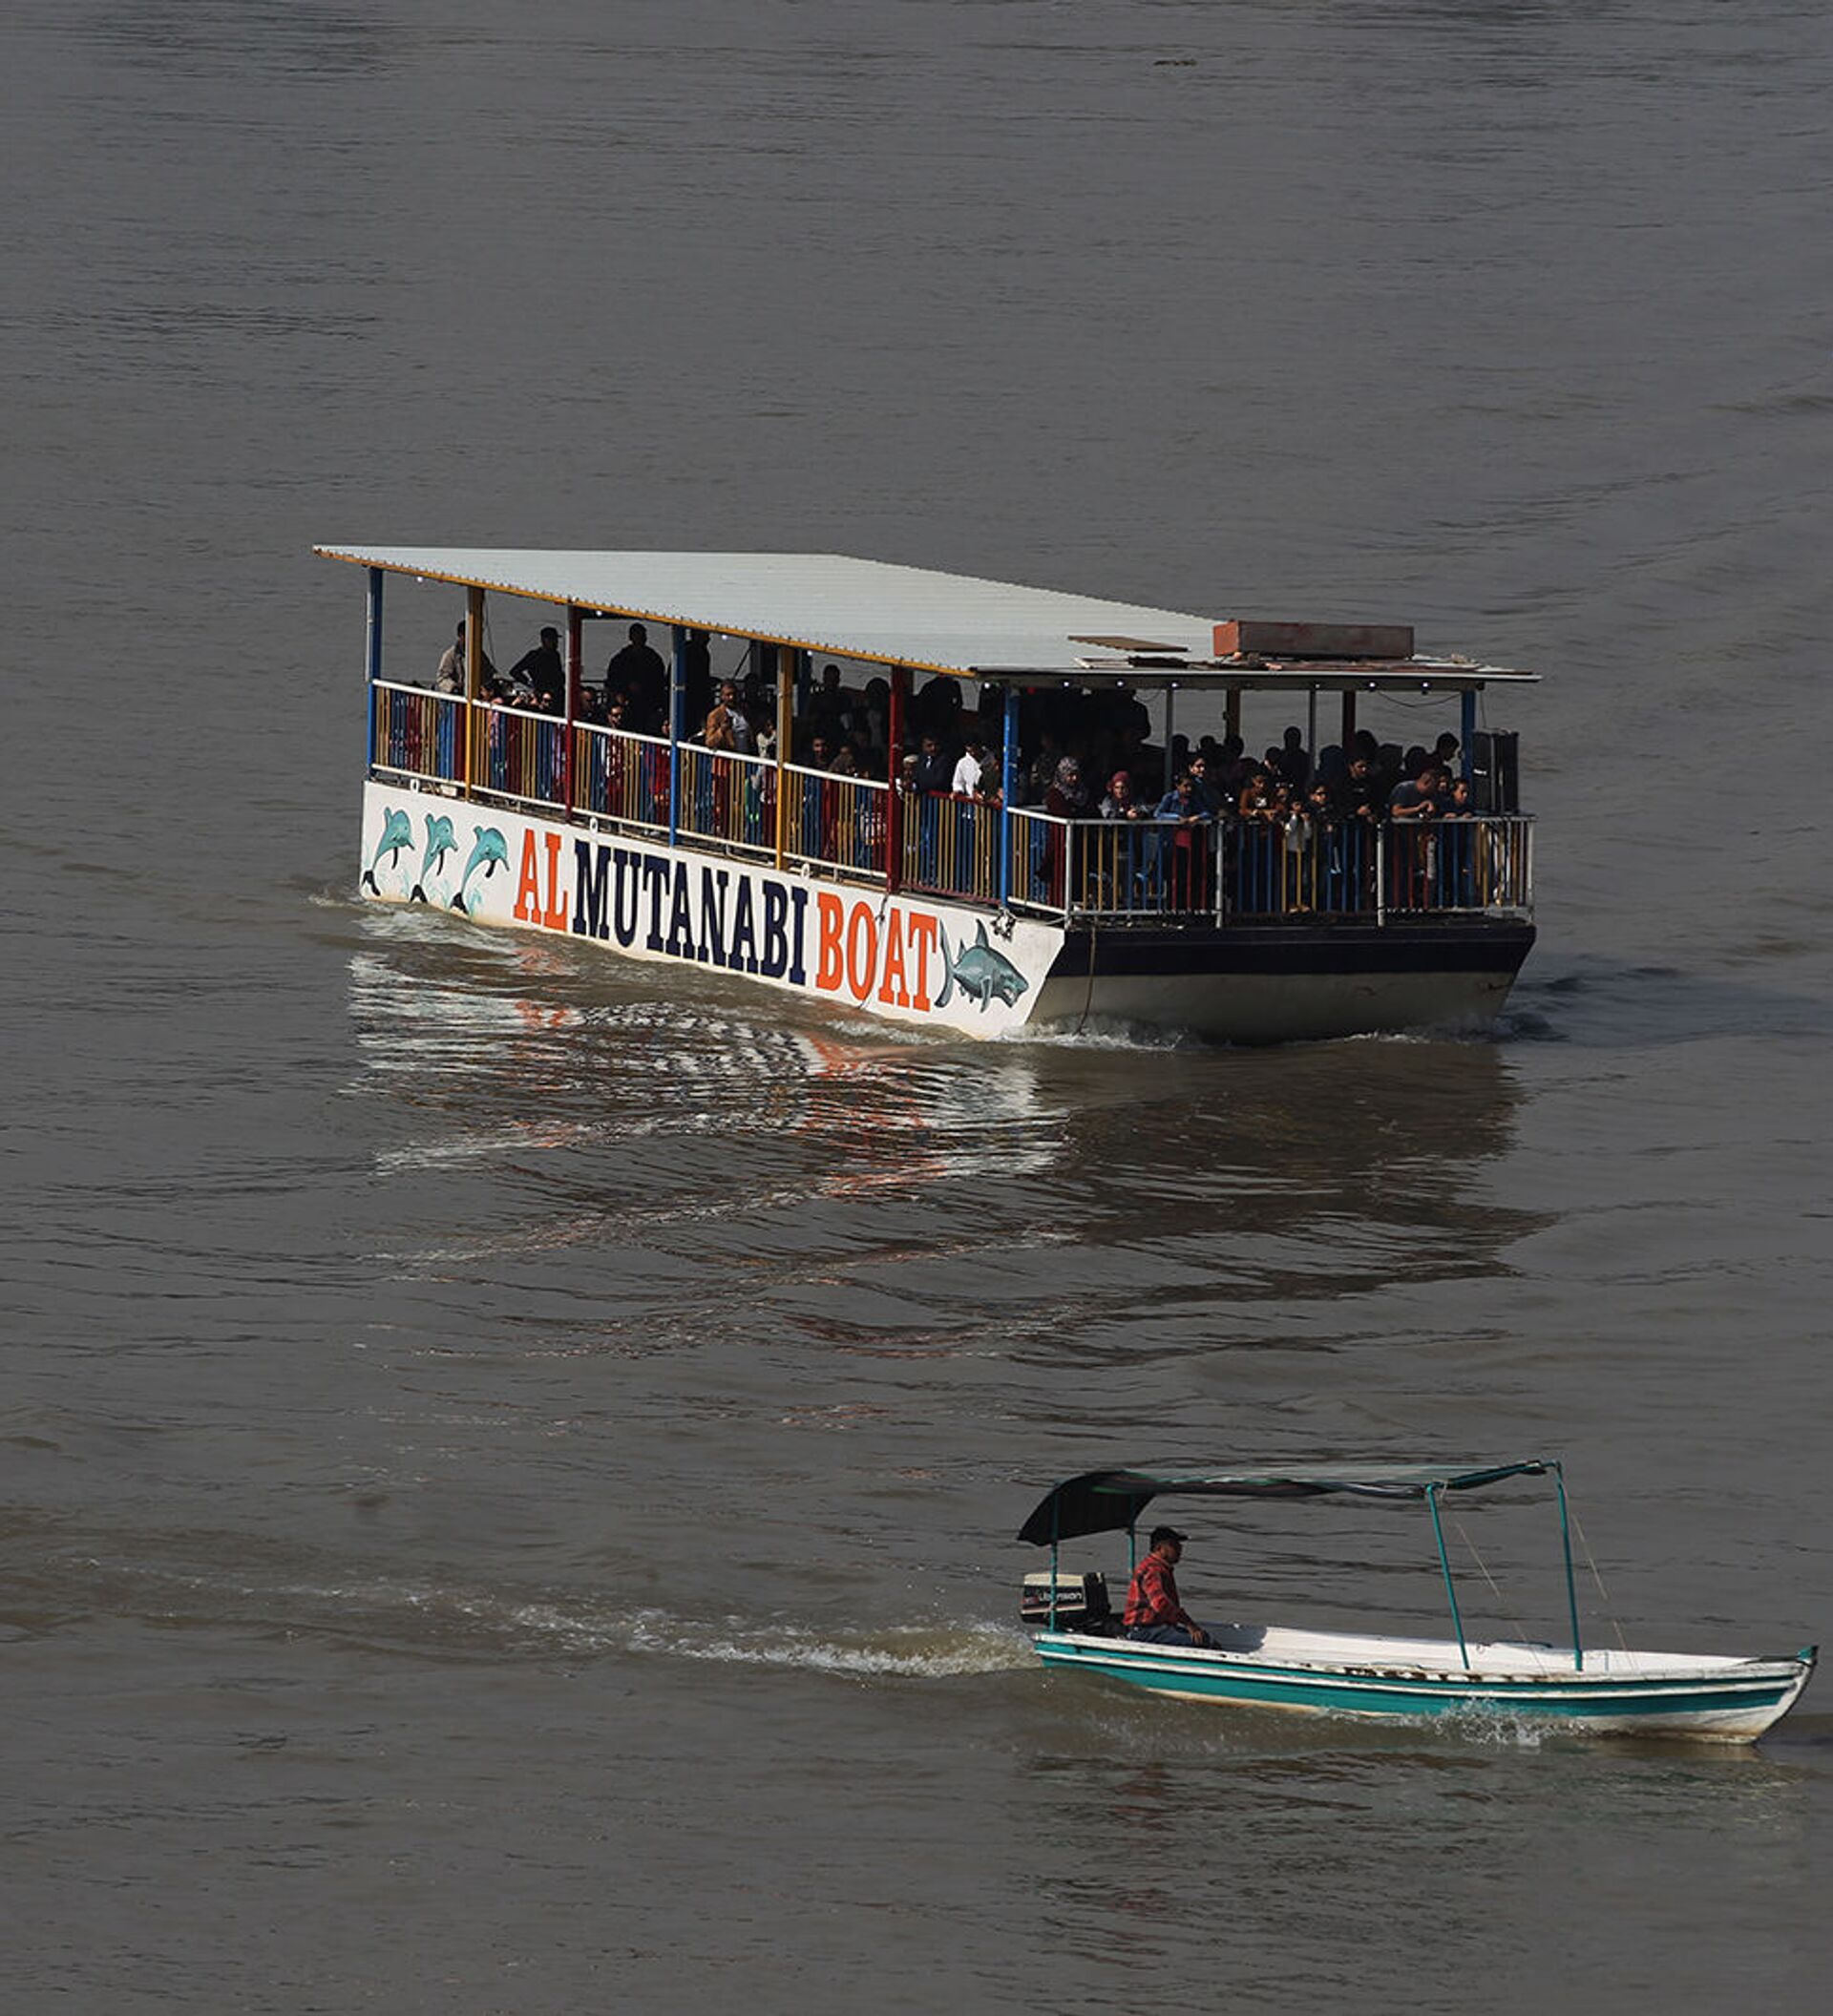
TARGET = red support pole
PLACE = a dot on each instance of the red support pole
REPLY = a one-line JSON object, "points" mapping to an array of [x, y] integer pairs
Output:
{"points": [[574, 652]]}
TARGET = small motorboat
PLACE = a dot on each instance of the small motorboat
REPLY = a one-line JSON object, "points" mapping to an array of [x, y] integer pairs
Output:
{"points": [[1567, 1687]]}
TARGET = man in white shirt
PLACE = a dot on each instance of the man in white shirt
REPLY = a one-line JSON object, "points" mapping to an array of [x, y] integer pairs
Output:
{"points": [[967, 782]]}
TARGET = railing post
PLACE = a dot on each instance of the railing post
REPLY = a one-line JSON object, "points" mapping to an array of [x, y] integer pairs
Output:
{"points": [[1380, 874], [1221, 870], [895, 778], [373, 655]]}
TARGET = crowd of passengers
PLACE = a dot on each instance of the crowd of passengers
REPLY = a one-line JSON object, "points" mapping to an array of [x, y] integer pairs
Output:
{"points": [[1083, 754]]}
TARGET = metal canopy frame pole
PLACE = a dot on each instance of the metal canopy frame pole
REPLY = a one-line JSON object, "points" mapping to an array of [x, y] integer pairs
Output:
{"points": [[788, 689], [1008, 791], [895, 778], [1467, 728], [1566, 1545], [575, 655], [1310, 732], [372, 652], [1444, 1567], [1056, 1514], [474, 680], [677, 701], [1170, 716]]}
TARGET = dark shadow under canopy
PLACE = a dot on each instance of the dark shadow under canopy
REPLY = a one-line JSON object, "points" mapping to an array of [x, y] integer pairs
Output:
{"points": [[1110, 1500]]}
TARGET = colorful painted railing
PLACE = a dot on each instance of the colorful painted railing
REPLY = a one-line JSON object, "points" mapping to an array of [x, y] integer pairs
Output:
{"points": [[956, 847], [619, 776], [836, 822], [951, 846], [727, 798], [419, 733], [518, 754]]}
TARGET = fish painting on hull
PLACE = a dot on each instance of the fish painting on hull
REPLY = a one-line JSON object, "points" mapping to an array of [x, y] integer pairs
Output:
{"points": [[440, 842], [982, 974], [488, 853], [397, 833]]}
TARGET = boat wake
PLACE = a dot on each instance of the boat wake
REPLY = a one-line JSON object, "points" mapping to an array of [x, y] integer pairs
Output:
{"points": [[558, 1629], [416, 1619], [905, 1651]]}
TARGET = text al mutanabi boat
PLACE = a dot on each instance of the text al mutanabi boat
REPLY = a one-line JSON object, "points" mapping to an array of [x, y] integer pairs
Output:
{"points": [[977, 914], [1586, 1690]]}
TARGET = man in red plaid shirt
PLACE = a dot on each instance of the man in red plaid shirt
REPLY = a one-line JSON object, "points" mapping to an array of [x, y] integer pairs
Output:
{"points": [[1153, 1613]]}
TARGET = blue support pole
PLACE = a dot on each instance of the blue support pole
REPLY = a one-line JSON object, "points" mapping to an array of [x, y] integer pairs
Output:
{"points": [[1467, 733], [1444, 1568], [677, 704], [1572, 1587], [373, 655], [1008, 791]]}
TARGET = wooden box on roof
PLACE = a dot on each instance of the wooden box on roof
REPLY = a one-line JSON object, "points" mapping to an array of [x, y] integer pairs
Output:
{"points": [[1263, 639]]}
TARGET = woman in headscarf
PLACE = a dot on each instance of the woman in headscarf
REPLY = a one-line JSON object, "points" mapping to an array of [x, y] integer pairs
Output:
{"points": [[1067, 797]]}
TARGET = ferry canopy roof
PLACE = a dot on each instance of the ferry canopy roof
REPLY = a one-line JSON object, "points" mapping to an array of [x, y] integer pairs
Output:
{"points": [[831, 604], [1110, 1500]]}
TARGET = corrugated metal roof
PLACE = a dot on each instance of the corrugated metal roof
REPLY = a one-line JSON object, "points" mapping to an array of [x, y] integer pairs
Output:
{"points": [[820, 601], [831, 604]]}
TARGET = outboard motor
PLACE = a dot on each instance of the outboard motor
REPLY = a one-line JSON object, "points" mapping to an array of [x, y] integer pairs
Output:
{"points": [[1081, 1604]]}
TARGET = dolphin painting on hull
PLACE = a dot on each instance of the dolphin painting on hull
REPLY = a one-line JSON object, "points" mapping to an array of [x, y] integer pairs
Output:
{"points": [[489, 853], [439, 844], [397, 832], [980, 973]]}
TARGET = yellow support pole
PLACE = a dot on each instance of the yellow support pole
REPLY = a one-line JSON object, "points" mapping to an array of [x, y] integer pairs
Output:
{"points": [[786, 668]]}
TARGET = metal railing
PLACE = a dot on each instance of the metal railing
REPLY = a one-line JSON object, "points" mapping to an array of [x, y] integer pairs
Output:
{"points": [[836, 822], [951, 846], [1476, 864], [621, 776], [1255, 870], [727, 798], [419, 733]]}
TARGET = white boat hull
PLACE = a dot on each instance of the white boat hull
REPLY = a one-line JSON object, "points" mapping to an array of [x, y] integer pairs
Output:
{"points": [[914, 958], [1612, 1693]]}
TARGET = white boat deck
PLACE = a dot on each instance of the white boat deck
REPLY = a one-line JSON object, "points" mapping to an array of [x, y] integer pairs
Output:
{"points": [[1437, 1657]]}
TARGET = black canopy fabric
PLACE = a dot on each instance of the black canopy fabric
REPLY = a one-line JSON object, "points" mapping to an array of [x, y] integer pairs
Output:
{"points": [[1110, 1500]]}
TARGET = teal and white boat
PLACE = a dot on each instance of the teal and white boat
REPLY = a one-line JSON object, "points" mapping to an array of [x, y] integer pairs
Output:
{"points": [[1567, 1687]]}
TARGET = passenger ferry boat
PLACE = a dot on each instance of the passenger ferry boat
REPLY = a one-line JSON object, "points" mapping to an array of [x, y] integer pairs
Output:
{"points": [[977, 914]]}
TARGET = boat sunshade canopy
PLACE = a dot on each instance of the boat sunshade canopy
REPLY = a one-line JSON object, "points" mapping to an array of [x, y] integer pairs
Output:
{"points": [[836, 605], [1110, 1500]]}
